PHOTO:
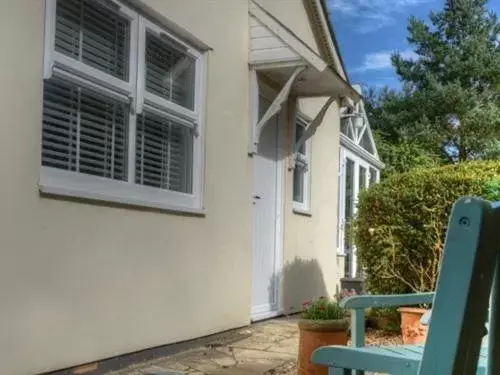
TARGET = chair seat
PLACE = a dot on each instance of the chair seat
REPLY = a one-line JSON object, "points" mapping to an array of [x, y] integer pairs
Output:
{"points": [[385, 359]]}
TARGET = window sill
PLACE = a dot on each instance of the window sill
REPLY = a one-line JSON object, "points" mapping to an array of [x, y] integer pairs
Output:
{"points": [[70, 184], [302, 211]]}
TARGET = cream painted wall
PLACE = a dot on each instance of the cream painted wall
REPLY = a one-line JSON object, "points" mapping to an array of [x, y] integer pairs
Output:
{"points": [[81, 281], [311, 265], [292, 14]]}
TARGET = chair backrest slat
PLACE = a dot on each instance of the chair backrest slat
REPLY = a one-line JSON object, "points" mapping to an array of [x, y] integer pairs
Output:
{"points": [[460, 307], [494, 321], [494, 318]]}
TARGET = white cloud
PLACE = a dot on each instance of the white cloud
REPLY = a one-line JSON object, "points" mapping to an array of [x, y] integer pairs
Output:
{"points": [[382, 60], [371, 15]]}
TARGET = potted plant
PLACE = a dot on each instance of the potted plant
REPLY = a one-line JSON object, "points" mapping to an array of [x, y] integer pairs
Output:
{"points": [[322, 322]]}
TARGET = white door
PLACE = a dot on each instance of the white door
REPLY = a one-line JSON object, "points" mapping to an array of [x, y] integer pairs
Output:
{"points": [[266, 207]]}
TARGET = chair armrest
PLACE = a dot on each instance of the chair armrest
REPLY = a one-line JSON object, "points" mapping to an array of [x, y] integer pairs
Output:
{"points": [[358, 304], [378, 301]]}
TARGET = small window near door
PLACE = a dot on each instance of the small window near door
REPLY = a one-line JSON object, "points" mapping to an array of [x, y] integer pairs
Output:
{"points": [[301, 174]]}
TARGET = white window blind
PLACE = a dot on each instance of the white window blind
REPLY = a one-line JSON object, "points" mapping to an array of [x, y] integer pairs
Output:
{"points": [[83, 132], [122, 102], [170, 71], [93, 34], [163, 154]]}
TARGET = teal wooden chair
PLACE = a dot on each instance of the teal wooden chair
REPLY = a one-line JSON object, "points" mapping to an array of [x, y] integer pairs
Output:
{"points": [[470, 273]]}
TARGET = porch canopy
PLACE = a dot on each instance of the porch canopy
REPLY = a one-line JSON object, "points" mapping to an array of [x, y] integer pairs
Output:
{"points": [[278, 54]]}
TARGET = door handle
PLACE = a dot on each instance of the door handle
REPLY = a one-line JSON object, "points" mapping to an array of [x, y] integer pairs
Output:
{"points": [[257, 197]]}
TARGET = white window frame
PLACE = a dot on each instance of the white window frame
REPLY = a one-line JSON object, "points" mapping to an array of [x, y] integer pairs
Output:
{"points": [[150, 100], [341, 221], [74, 184], [341, 204], [377, 175], [305, 161], [55, 62]]}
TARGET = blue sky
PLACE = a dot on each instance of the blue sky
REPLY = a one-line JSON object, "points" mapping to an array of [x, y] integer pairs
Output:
{"points": [[369, 31]]}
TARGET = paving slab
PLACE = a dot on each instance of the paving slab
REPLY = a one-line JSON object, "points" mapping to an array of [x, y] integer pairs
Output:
{"points": [[265, 348], [268, 347]]}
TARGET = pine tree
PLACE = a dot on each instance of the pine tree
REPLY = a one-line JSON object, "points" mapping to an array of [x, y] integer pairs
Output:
{"points": [[462, 45], [455, 80]]}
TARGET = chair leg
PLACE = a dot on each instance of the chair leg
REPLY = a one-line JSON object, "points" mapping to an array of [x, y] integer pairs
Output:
{"points": [[343, 371], [338, 371]]}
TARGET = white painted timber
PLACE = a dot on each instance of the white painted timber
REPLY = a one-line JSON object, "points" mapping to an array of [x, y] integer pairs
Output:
{"points": [[283, 33], [265, 46]]}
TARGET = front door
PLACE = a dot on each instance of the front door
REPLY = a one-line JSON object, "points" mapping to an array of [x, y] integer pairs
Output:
{"points": [[266, 206]]}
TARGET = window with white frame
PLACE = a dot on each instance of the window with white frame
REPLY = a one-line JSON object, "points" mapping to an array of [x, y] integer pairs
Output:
{"points": [[301, 174], [355, 175], [122, 107]]}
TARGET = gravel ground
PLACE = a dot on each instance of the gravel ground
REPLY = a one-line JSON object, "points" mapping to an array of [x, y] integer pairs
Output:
{"points": [[377, 337]]}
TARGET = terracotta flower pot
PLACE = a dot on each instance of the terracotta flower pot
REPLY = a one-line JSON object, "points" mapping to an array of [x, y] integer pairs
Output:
{"points": [[317, 333], [412, 330]]}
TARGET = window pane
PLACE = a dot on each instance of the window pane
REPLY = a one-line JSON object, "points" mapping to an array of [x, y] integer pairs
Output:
{"points": [[170, 71], [299, 131], [373, 176], [366, 143], [298, 183], [339, 200], [344, 126], [347, 264], [362, 178], [93, 34], [83, 131], [348, 214], [163, 154]]}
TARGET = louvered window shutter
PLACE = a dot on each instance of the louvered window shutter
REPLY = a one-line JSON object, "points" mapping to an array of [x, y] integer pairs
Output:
{"points": [[89, 126], [83, 131], [163, 153], [170, 71], [93, 34]]}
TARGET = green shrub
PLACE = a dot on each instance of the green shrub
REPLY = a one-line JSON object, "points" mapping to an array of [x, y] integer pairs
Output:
{"points": [[401, 223], [385, 319]]}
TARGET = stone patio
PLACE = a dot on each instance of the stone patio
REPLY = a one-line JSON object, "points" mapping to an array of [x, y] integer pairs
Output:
{"points": [[268, 347], [265, 348]]}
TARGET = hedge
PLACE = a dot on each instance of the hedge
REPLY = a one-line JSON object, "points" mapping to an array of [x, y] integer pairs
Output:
{"points": [[401, 223]]}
